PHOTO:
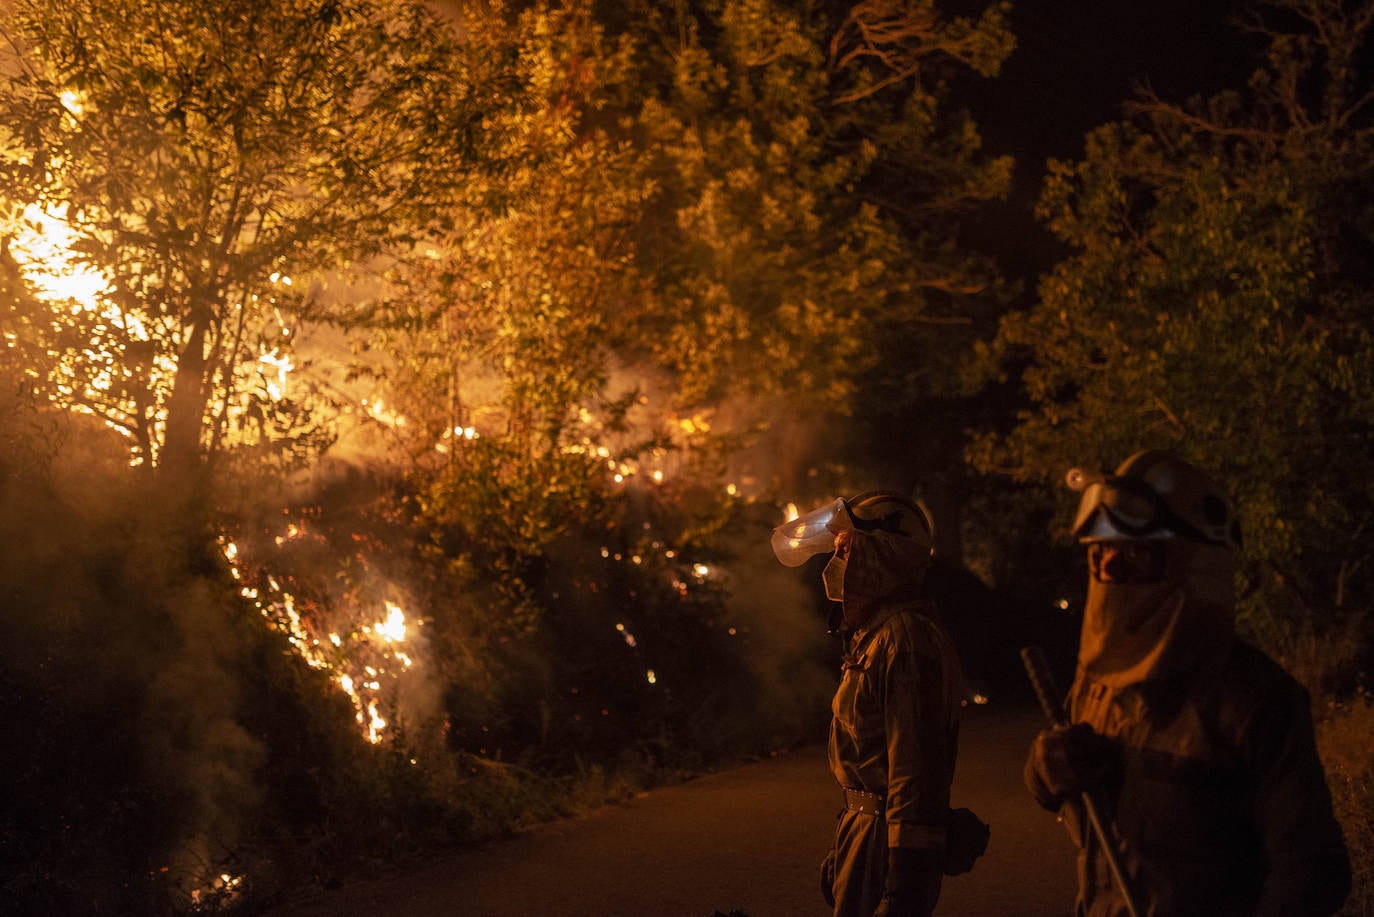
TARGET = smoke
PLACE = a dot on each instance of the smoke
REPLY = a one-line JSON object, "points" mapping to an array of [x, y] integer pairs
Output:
{"points": [[127, 652], [781, 614]]}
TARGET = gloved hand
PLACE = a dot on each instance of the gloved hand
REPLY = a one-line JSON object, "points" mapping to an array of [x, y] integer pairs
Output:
{"points": [[913, 883], [1066, 760], [828, 878]]}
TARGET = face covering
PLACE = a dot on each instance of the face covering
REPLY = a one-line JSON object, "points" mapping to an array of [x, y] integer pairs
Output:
{"points": [[881, 567], [1134, 632], [833, 577]]}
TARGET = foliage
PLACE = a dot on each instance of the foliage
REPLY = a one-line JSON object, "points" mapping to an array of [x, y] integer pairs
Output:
{"points": [[583, 254], [180, 176], [734, 183], [1218, 304], [811, 177]]}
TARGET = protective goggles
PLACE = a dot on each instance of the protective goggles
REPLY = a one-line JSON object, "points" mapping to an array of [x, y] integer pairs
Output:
{"points": [[1132, 509], [797, 540]]}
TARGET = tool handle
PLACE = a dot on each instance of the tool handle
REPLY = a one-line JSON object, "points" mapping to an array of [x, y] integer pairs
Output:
{"points": [[1042, 680]]}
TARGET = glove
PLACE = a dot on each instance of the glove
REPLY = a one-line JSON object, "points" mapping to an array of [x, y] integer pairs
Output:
{"points": [[913, 883], [1066, 760], [966, 841], [828, 878]]}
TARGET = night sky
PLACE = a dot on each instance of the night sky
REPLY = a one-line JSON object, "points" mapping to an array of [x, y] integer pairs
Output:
{"points": [[1075, 63]]}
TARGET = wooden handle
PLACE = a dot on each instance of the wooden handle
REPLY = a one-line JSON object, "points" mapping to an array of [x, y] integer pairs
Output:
{"points": [[1042, 680]]}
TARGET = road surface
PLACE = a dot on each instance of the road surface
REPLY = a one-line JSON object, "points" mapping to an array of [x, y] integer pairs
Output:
{"points": [[746, 840]]}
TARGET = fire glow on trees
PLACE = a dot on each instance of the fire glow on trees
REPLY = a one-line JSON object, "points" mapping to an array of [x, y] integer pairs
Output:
{"points": [[186, 186], [103, 359]]}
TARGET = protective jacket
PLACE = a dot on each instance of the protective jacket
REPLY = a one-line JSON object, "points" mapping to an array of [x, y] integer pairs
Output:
{"points": [[1217, 796], [893, 742]]}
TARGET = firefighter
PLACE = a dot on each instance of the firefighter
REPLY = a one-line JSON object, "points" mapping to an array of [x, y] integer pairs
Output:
{"points": [[1197, 749], [895, 724]]}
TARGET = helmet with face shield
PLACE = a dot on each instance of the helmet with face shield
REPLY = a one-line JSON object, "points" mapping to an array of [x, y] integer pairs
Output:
{"points": [[797, 540]]}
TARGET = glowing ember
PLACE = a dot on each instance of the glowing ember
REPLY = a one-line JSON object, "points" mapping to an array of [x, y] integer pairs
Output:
{"points": [[223, 888]]}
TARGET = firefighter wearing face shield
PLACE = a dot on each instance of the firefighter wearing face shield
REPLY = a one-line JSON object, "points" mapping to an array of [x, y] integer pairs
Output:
{"points": [[895, 724], [1196, 748]]}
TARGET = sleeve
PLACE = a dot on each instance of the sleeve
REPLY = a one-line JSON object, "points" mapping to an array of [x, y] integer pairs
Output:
{"points": [[917, 785], [1308, 865]]}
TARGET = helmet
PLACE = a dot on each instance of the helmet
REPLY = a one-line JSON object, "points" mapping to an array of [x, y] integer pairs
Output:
{"points": [[1153, 494], [875, 510]]}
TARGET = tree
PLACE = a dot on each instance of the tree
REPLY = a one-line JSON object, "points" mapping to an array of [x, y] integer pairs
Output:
{"points": [[178, 178], [1218, 304], [812, 177], [738, 208]]}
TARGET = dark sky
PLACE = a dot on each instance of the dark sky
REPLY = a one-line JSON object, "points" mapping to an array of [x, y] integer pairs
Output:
{"points": [[1075, 63]]}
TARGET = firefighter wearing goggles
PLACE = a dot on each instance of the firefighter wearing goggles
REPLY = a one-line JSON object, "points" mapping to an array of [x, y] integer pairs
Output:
{"points": [[1198, 748], [895, 716]]}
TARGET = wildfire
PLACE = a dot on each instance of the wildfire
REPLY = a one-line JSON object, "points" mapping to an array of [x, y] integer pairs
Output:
{"points": [[360, 664], [45, 248]]}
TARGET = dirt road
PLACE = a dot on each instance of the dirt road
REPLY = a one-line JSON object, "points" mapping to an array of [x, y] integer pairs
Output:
{"points": [[747, 840]]}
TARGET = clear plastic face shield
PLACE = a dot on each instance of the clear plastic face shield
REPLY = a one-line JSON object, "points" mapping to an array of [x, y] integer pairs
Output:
{"points": [[797, 540]]}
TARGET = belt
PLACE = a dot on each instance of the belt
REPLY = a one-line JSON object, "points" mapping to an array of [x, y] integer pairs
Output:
{"points": [[861, 801]]}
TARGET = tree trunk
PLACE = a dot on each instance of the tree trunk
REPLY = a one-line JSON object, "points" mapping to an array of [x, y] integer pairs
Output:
{"points": [[180, 459]]}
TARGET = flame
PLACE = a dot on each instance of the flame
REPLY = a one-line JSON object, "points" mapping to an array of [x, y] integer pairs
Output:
{"points": [[276, 386], [378, 412], [394, 627], [43, 244], [71, 101], [224, 887], [42, 247], [348, 660]]}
